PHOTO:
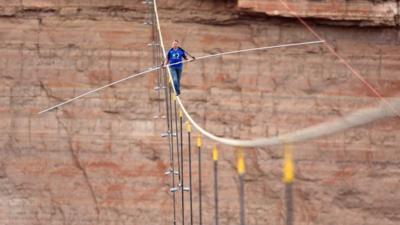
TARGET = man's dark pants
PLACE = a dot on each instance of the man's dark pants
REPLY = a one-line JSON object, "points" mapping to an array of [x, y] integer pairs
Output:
{"points": [[176, 75]]}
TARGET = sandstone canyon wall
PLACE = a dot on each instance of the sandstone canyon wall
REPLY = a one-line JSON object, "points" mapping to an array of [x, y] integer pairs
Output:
{"points": [[360, 12], [101, 160]]}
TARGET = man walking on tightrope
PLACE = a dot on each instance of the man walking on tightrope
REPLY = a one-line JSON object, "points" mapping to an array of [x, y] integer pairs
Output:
{"points": [[175, 56]]}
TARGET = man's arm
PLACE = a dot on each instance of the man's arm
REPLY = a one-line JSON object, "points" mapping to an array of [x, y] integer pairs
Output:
{"points": [[166, 62], [187, 53]]}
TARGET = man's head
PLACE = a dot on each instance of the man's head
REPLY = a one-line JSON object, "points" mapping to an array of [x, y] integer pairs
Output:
{"points": [[175, 44]]}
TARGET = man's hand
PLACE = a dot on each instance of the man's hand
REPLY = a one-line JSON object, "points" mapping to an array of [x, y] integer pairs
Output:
{"points": [[193, 58]]}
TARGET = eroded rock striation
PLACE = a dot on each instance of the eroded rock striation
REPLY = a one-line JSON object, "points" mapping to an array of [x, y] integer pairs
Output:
{"points": [[101, 160]]}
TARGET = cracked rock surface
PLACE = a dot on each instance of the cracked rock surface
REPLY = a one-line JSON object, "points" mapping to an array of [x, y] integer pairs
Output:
{"points": [[361, 12], [101, 160]]}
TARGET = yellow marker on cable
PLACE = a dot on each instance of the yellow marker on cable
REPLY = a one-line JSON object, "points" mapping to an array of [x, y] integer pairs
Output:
{"points": [[199, 141], [174, 96], [215, 153], [188, 127], [180, 114], [288, 168], [240, 163]]}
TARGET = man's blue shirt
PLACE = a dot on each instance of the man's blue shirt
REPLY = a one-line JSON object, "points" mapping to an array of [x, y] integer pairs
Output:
{"points": [[175, 56]]}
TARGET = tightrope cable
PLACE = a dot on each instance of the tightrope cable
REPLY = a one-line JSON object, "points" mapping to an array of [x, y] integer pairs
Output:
{"points": [[355, 119]]}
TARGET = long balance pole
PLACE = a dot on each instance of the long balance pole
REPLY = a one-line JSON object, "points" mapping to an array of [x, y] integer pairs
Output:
{"points": [[159, 67]]}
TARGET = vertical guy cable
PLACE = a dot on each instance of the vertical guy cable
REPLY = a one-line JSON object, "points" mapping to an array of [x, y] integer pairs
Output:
{"points": [[241, 171], [215, 159], [189, 130], [288, 178], [170, 141], [175, 117], [181, 169], [199, 143], [156, 47], [167, 91], [168, 110], [155, 56], [177, 139]]}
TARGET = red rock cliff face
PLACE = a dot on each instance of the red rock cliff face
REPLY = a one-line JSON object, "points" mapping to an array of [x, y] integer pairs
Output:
{"points": [[101, 160], [365, 12]]}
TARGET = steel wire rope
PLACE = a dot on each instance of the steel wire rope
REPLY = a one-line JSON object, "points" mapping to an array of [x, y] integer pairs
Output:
{"points": [[181, 169], [354, 119], [170, 134], [341, 59]]}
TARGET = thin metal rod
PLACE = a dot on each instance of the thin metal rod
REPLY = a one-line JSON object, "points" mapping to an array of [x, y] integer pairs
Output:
{"points": [[169, 125], [182, 175], [163, 78], [200, 189], [216, 192], [241, 196], [156, 59], [289, 203], [159, 67], [171, 141], [190, 177], [177, 144]]}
